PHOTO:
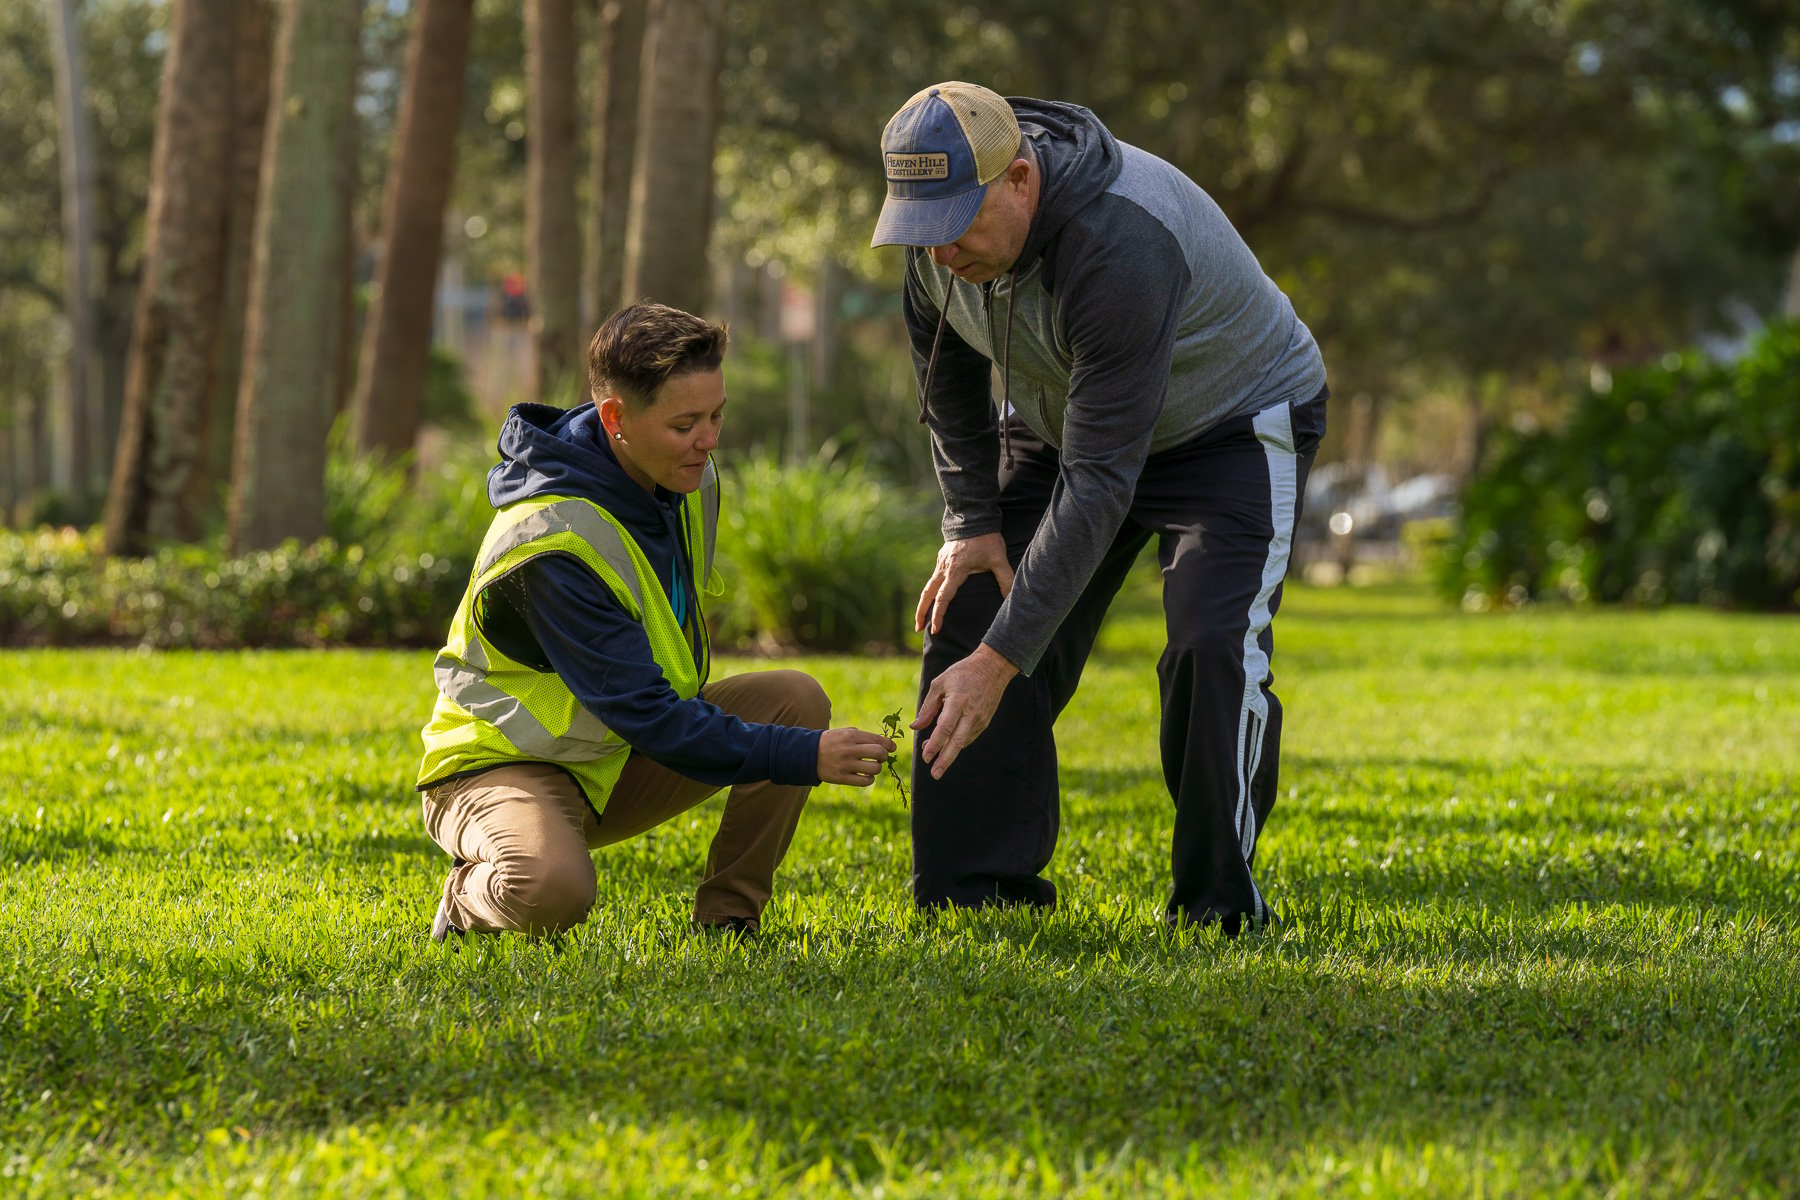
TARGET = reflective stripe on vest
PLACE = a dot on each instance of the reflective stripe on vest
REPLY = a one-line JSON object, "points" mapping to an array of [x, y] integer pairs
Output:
{"points": [[466, 685], [584, 521]]}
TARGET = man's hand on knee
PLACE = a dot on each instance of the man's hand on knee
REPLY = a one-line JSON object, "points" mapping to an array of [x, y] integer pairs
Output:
{"points": [[956, 561], [962, 701]]}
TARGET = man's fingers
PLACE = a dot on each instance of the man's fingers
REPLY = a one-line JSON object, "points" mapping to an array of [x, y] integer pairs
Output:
{"points": [[940, 762], [1003, 574], [934, 699], [949, 719], [944, 594], [927, 595]]}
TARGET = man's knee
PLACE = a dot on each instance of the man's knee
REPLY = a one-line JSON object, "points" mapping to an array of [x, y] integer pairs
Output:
{"points": [[968, 616], [551, 896], [1209, 643]]}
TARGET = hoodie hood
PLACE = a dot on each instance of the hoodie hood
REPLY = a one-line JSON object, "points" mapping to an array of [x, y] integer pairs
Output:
{"points": [[550, 451], [1079, 159]]}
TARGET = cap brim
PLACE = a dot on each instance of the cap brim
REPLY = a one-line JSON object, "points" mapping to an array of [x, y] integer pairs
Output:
{"points": [[926, 222]]}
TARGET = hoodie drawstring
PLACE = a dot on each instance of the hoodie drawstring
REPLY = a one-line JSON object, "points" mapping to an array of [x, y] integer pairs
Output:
{"points": [[931, 363], [1012, 294], [937, 340]]}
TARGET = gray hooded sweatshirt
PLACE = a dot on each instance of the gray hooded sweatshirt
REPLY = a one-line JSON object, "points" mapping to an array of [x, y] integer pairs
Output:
{"points": [[1139, 320]]}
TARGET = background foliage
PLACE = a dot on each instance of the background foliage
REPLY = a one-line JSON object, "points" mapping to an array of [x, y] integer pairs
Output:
{"points": [[1473, 204], [821, 556], [1674, 482]]}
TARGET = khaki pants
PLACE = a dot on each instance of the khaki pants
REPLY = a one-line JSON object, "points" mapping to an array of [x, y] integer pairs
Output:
{"points": [[524, 832]]}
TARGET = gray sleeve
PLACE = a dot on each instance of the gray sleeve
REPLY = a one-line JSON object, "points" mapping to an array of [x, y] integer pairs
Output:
{"points": [[965, 449], [1120, 276]]}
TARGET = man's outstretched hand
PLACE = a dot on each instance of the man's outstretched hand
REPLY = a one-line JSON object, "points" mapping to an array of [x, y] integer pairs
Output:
{"points": [[853, 756], [962, 702]]}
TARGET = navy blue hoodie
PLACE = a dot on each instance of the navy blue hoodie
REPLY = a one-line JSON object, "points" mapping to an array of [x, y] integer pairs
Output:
{"points": [[555, 615]]}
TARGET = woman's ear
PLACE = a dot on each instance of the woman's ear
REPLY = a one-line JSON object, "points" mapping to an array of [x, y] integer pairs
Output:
{"points": [[611, 408]]}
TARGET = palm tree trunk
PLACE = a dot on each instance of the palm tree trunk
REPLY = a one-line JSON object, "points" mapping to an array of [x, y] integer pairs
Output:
{"points": [[295, 326], [396, 353], [614, 138], [83, 454], [554, 266], [169, 372], [672, 181], [255, 57]]}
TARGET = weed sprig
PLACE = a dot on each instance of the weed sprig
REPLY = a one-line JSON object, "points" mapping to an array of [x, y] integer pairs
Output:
{"points": [[892, 728]]}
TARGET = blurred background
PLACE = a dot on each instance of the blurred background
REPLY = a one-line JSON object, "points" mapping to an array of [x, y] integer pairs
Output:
{"points": [[272, 272]]}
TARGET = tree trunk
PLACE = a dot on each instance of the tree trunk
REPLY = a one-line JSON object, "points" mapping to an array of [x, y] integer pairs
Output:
{"points": [[553, 271], [294, 325], [1359, 451], [1475, 433], [9, 458], [1791, 308], [169, 372], [250, 117], [83, 452], [672, 180], [613, 139], [33, 461], [343, 372], [396, 352]]}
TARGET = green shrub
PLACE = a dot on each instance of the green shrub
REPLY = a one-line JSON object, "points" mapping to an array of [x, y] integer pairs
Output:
{"points": [[390, 573], [50, 588], [1679, 482], [822, 556], [449, 404], [56, 589]]}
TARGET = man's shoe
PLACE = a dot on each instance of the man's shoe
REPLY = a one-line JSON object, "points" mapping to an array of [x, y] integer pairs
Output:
{"points": [[733, 927], [440, 924], [1230, 926]]}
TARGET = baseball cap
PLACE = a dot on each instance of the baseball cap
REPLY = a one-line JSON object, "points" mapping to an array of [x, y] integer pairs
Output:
{"points": [[940, 151]]}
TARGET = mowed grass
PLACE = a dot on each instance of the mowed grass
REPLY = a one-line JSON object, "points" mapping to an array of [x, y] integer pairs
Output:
{"points": [[1542, 935]]}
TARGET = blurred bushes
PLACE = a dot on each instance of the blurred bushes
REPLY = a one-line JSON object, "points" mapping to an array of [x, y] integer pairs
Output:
{"points": [[821, 556], [1673, 483], [55, 589], [389, 573]]}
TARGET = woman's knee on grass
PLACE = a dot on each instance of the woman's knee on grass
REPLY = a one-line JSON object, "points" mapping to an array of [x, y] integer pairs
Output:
{"points": [[550, 894], [801, 699]]}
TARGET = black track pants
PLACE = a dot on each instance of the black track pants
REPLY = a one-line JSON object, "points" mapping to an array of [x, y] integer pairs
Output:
{"points": [[1223, 509]]}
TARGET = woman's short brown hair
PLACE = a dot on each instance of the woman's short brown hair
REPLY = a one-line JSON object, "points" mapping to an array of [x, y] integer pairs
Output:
{"points": [[640, 347]]}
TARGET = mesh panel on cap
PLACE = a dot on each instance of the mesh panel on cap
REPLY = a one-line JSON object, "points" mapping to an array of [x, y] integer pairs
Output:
{"points": [[987, 121]]}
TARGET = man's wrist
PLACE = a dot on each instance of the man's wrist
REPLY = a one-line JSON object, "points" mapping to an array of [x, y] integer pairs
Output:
{"points": [[994, 662]]}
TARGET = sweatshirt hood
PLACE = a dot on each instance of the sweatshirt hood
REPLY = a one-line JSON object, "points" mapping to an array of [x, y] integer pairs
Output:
{"points": [[550, 451], [1078, 158]]}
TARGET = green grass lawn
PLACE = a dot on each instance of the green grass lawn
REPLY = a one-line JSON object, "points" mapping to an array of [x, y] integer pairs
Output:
{"points": [[1543, 936]]}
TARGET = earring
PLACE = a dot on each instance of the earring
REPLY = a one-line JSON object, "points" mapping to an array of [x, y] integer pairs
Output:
{"points": [[617, 436]]}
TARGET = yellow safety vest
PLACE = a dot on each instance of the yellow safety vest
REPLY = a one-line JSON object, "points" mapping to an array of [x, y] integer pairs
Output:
{"points": [[492, 710]]}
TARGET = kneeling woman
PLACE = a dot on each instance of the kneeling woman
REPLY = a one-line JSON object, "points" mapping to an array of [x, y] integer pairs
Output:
{"points": [[573, 705]]}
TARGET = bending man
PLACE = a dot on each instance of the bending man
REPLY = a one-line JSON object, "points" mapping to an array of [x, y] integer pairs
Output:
{"points": [[1156, 384]]}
